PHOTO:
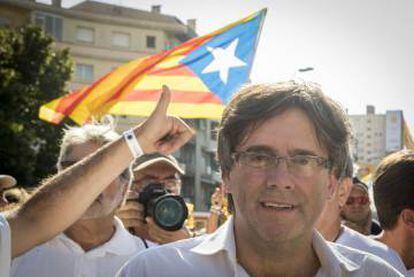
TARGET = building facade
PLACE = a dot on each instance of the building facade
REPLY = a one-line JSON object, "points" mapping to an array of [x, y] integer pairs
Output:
{"points": [[100, 36], [377, 135]]}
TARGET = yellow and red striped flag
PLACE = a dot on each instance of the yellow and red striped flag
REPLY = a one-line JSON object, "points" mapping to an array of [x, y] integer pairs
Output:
{"points": [[202, 73]]}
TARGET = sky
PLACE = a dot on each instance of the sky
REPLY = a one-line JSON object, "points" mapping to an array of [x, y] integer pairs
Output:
{"points": [[361, 50]]}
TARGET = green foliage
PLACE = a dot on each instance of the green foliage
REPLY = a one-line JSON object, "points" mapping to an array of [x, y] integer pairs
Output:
{"points": [[32, 73]]}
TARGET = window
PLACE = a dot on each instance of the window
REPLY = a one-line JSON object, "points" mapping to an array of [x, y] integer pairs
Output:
{"points": [[213, 129], [121, 39], [85, 34], [151, 43], [51, 24], [84, 72]]}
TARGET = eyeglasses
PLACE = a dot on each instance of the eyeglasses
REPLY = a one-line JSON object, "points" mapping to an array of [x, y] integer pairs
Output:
{"points": [[298, 165], [361, 200]]}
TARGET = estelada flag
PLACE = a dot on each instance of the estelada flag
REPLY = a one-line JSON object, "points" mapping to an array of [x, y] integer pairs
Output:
{"points": [[202, 73]]}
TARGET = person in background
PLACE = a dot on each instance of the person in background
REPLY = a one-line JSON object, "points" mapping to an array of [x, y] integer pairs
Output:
{"points": [[357, 212], [63, 198], [331, 228], [394, 200], [97, 244], [152, 168], [218, 210]]}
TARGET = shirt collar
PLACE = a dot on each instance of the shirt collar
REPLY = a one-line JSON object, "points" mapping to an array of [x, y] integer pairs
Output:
{"points": [[221, 240], [333, 263], [121, 242]]}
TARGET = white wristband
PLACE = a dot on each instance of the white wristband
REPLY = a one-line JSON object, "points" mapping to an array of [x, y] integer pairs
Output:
{"points": [[133, 143]]}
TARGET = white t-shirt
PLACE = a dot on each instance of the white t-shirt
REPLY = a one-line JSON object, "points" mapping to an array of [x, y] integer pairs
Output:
{"points": [[351, 238], [215, 255], [5, 247], [63, 257]]}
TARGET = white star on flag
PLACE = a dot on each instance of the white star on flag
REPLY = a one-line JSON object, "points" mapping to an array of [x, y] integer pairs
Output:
{"points": [[223, 60]]}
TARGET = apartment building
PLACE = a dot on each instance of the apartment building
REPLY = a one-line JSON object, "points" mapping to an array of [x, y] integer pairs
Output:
{"points": [[100, 36], [377, 135]]}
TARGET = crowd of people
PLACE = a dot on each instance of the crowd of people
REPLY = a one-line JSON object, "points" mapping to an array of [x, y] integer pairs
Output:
{"points": [[288, 205]]}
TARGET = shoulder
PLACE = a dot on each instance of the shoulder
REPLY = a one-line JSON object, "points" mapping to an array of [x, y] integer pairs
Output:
{"points": [[358, 241], [366, 263], [354, 239], [154, 261]]}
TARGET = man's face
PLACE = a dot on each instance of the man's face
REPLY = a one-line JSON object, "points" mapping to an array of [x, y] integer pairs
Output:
{"points": [[161, 173], [262, 195], [111, 197], [357, 208], [332, 210]]}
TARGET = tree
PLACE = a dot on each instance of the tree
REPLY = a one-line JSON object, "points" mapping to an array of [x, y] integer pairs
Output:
{"points": [[32, 73]]}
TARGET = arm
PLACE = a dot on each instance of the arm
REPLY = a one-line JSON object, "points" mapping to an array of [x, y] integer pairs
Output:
{"points": [[65, 197], [215, 210]]}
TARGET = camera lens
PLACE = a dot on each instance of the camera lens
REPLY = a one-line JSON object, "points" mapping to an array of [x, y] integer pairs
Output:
{"points": [[170, 213]]}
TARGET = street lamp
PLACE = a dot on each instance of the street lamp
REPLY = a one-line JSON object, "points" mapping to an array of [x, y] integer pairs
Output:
{"points": [[305, 69]]}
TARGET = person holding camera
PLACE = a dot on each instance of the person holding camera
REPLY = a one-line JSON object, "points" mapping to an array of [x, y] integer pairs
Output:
{"points": [[97, 244], [63, 198], [154, 210]]}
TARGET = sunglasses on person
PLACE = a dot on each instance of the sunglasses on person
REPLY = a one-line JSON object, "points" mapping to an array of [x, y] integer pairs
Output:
{"points": [[361, 200]]}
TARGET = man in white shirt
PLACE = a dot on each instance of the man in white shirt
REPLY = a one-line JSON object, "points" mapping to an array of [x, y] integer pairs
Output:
{"points": [[330, 227], [278, 147], [65, 197], [394, 200], [97, 244]]}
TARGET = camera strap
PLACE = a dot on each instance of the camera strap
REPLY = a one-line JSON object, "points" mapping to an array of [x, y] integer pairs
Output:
{"points": [[144, 242]]}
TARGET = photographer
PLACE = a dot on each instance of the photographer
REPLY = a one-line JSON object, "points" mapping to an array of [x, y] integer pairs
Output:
{"points": [[152, 169], [63, 198]]}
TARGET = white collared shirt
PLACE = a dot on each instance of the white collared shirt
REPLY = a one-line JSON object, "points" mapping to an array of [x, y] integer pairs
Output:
{"points": [[351, 238], [5, 246], [63, 257], [215, 255]]}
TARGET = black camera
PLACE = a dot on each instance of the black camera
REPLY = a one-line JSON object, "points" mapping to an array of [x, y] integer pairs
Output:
{"points": [[168, 211]]}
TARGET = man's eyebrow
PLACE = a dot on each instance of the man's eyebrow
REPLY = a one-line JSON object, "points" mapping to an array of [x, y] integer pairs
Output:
{"points": [[260, 148], [302, 152]]}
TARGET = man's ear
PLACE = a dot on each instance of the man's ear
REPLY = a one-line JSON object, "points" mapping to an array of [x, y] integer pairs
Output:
{"points": [[332, 185], [226, 183], [344, 189], [407, 217]]}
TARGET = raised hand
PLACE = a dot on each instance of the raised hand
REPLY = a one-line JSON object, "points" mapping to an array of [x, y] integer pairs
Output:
{"points": [[161, 132]]}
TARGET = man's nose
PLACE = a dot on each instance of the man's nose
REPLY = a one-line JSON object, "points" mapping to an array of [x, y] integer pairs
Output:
{"points": [[278, 176]]}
